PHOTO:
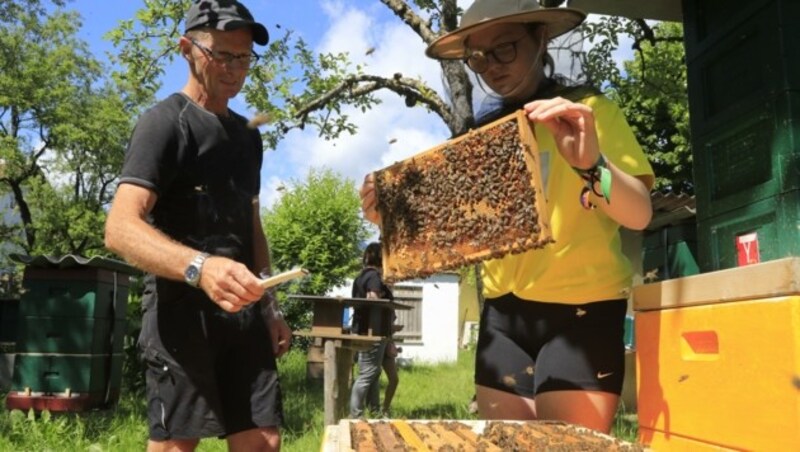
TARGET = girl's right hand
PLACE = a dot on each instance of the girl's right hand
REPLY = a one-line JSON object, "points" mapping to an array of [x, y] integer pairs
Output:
{"points": [[369, 201]]}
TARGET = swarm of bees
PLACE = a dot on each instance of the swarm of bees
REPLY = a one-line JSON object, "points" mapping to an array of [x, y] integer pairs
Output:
{"points": [[468, 200]]}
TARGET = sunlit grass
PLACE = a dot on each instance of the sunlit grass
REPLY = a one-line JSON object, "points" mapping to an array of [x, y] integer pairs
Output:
{"points": [[441, 391]]}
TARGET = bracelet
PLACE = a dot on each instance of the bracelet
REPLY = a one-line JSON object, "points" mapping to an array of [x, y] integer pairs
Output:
{"points": [[597, 173]]}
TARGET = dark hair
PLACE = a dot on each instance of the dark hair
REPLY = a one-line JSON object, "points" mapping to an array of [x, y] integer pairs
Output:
{"points": [[372, 255]]}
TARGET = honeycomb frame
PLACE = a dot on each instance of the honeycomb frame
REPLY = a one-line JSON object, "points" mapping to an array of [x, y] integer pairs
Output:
{"points": [[476, 197]]}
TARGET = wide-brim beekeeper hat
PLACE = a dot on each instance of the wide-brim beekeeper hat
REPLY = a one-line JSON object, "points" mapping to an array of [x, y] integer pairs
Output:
{"points": [[486, 13]]}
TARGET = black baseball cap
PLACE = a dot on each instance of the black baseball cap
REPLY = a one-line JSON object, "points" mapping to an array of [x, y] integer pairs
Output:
{"points": [[224, 15]]}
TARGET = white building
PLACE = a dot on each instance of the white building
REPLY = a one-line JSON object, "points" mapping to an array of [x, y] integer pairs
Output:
{"points": [[431, 330]]}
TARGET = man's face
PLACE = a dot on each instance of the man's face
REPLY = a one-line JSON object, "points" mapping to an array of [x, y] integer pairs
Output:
{"points": [[220, 61]]}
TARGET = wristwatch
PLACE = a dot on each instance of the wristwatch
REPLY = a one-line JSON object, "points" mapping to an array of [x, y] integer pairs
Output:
{"points": [[192, 272]]}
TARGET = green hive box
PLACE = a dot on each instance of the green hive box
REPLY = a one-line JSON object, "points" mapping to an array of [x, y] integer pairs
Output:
{"points": [[754, 157], [670, 252], [744, 92], [75, 335], [712, 27], [705, 22], [774, 221], [56, 374], [9, 314], [74, 292], [71, 327]]}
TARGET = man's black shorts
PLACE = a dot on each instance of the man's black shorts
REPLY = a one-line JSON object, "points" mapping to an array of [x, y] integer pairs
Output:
{"points": [[209, 373], [527, 348]]}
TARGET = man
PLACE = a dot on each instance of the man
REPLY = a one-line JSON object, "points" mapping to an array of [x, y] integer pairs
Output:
{"points": [[368, 284], [186, 211]]}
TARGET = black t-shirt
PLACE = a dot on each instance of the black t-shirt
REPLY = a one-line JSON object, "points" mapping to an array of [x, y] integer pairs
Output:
{"points": [[206, 171], [369, 280]]}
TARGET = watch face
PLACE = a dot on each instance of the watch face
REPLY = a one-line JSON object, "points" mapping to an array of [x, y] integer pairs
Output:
{"points": [[192, 274]]}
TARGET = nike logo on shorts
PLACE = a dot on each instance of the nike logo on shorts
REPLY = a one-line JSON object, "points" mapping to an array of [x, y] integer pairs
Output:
{"points": [[601, 375]]}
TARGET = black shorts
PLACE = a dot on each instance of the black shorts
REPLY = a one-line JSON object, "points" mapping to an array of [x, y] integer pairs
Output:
{"points": [[208, 372], [527, 348]]}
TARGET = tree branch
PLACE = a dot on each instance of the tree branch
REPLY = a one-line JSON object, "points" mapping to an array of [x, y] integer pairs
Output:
{"points": [[412, 19], [359, 85]]}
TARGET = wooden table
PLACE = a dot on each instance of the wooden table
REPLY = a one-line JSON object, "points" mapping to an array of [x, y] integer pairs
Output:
{"points": [[339, 344]]}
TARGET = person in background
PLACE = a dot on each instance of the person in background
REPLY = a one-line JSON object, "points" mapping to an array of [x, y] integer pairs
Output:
{"points": [[392, 378], [368, 284], [551, 334], [186, 212]]}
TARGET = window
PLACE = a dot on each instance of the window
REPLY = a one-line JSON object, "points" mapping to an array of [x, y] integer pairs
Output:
{"points": [[410, 318]]}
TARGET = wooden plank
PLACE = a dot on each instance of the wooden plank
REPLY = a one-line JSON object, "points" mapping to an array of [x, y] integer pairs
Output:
{"points": [[428, 436], [451, 438], [410, 436], [386, 438], [345, 301], [344, 369], [339, 336], [764, 280], [330, 384], [472, 438], [363, 440], [475, 197], [344, 436]]}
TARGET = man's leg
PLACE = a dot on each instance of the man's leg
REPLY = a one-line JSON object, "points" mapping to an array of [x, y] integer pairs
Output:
{"points": [[265, 439], [183, 445]]}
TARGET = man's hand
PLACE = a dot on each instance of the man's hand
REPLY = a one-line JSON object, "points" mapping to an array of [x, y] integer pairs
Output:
{"points": [[229, 284], [280, 334]]}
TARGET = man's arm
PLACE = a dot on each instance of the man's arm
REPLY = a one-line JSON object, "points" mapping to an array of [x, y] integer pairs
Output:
{"points": [[226, 282]]}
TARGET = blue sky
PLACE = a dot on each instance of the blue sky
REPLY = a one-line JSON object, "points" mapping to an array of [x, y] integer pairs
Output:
{"points": [[326, 25], [388, 133]]}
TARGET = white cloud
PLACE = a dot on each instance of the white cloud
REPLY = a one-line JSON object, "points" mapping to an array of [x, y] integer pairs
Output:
{"points": [[271, 191], [396, 49], [355, 27]]}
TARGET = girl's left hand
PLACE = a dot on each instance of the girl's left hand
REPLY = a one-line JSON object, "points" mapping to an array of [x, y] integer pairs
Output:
{"points": [[572, 126]]}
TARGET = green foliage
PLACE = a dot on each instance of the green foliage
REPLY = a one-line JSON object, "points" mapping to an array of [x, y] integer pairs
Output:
{"points": [[122, 428], [291, 76], [653, 97], [651, 90], [62, 132], [287, 77], [317, 225], [144, 45]]}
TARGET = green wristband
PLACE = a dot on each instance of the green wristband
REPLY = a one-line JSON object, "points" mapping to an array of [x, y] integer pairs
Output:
{"points": [[599, 173]]}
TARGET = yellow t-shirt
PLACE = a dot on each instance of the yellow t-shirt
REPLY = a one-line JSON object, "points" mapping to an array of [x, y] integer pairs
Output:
{"points": [[586, 262]]}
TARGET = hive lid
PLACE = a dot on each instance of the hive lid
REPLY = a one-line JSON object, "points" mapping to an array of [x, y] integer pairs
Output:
{"points": [[72, 261], [763, 280]]}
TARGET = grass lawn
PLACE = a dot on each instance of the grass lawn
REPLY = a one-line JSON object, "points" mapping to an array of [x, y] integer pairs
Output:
{"points": [[425, 392]]}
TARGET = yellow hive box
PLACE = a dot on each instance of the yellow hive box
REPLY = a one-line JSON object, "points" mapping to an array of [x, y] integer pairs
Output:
{"points": [[718, 359]]}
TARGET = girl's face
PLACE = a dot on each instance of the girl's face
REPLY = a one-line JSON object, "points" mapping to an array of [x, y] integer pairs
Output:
{"points": [[508, 59]]}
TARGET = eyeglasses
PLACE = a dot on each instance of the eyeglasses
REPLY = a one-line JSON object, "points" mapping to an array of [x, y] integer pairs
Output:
{"points": [[229, 59], [505, 53]]}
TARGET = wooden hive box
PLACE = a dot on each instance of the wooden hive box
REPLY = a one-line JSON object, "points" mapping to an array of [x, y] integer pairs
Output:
{"points": [[476, 197], [466, 436]]}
